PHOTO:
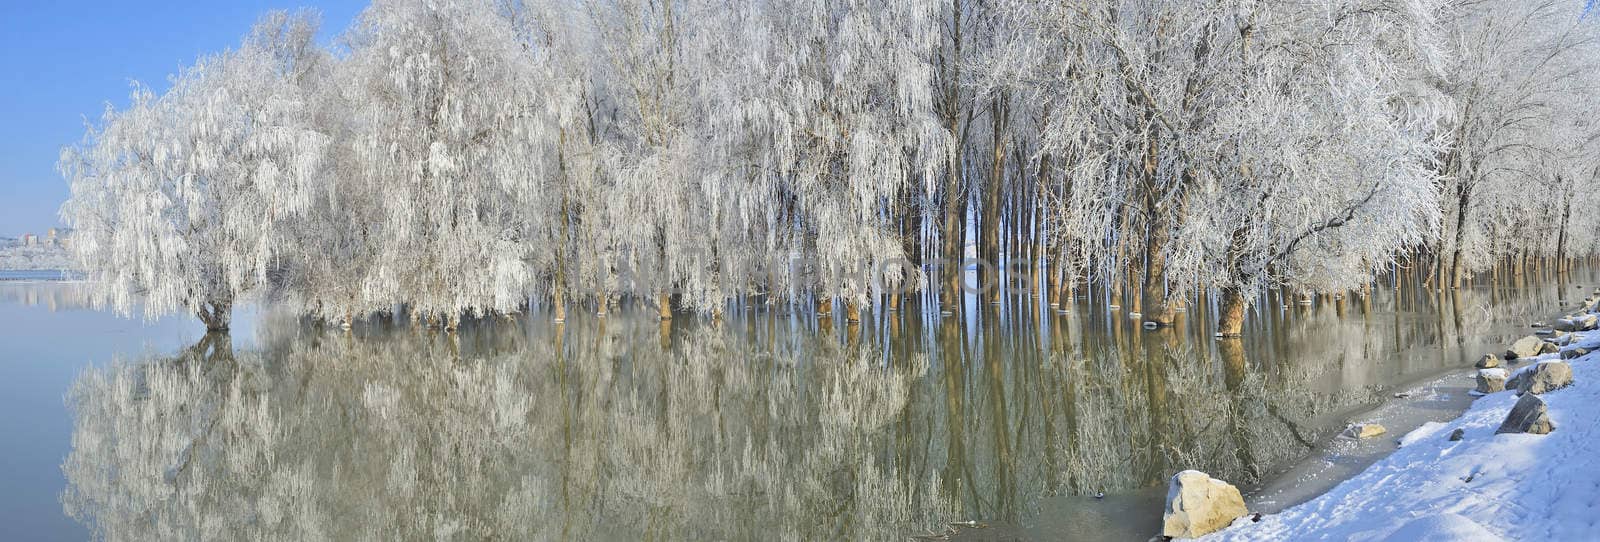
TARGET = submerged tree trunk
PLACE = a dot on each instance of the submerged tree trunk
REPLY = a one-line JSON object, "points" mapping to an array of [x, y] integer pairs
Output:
{"points": [[1230, 323], [1561, 234], [951, 111], [1154, 301], [1463, 195], [216, 314], [989, 249]]}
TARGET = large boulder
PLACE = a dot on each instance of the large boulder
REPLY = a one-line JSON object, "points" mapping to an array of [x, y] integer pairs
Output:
{"points": [[1529, 416], [1489, 361], [1581, 322], [1525, 347], [1574, 353], [1198, 504], [1491, 381], [1544, 376]]}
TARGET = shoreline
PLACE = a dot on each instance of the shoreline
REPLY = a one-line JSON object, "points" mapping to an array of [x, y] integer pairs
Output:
{"points": [[1426, 484], [1414, 404]]}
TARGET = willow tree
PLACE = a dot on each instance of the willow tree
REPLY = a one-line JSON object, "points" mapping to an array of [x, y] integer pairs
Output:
{"points": [[648, 149], [445, 126], [180, 200], [840, 103], [574, 189]]}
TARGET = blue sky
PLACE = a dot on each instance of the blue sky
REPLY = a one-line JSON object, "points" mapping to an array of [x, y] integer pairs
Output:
{"points": [[61, 62]]}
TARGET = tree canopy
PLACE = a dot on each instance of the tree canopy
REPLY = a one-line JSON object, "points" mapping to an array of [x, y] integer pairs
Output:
{"points": [[463, 157]]}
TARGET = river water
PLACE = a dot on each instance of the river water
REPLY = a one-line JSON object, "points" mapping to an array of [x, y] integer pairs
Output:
{"points": [[766, 425]]}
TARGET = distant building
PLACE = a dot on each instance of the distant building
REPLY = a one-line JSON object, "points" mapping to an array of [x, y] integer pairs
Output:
{"points": [[29, 239], [61, 237]]}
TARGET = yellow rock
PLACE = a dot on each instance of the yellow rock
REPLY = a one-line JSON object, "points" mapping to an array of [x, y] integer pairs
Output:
{"points": [[1198, 504], [1364, 430]]}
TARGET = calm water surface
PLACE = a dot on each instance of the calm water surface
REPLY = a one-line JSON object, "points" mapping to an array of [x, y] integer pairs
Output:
{"points": [[765, 426]]}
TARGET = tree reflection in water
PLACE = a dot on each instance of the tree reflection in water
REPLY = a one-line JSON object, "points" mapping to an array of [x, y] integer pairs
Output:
{"points": [[763, 426]]}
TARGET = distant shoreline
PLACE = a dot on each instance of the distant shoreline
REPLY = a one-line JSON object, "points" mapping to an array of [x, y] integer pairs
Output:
{"points": [[33, 275]]}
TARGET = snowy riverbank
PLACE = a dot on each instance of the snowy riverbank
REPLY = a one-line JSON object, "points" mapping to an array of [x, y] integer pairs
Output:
{"points": [[1486, 486]]}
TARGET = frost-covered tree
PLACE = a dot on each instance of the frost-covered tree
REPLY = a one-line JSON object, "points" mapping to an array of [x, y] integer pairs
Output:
{"points": [[445, 128], [180, 199], [1323, 174], [1228, 139], [1516, 71], [837, 101], [466, 157]]}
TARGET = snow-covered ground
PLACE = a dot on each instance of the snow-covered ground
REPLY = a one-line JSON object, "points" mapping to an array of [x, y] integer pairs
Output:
{"points": [[1483, 487]]}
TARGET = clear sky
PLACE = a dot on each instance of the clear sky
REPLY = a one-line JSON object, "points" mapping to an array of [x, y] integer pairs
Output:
{"points": [[62, 62]]}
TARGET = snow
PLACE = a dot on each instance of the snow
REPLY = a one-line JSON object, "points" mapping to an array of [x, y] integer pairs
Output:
{"points": [[1442, 528], [1512, 486], [1427, 430]]}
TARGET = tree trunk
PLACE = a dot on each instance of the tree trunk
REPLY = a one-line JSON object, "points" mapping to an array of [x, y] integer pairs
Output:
{"points": [[1561, 236], [1159, 310], [1230, 323], [664, 306], [990, 248], [1463, 195], [216, 314], [954, 245], [1053, 282], [955, 200]]}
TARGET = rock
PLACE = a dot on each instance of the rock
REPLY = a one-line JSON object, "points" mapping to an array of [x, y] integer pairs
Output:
{"points": [[1574, 353], [1544, 376], [1491, 381], [1198, 504], [1582, 322], [1489, 361], [1458, 434], [1525, 347], [1364, 430], [1529, 416], [1548, 348]]}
